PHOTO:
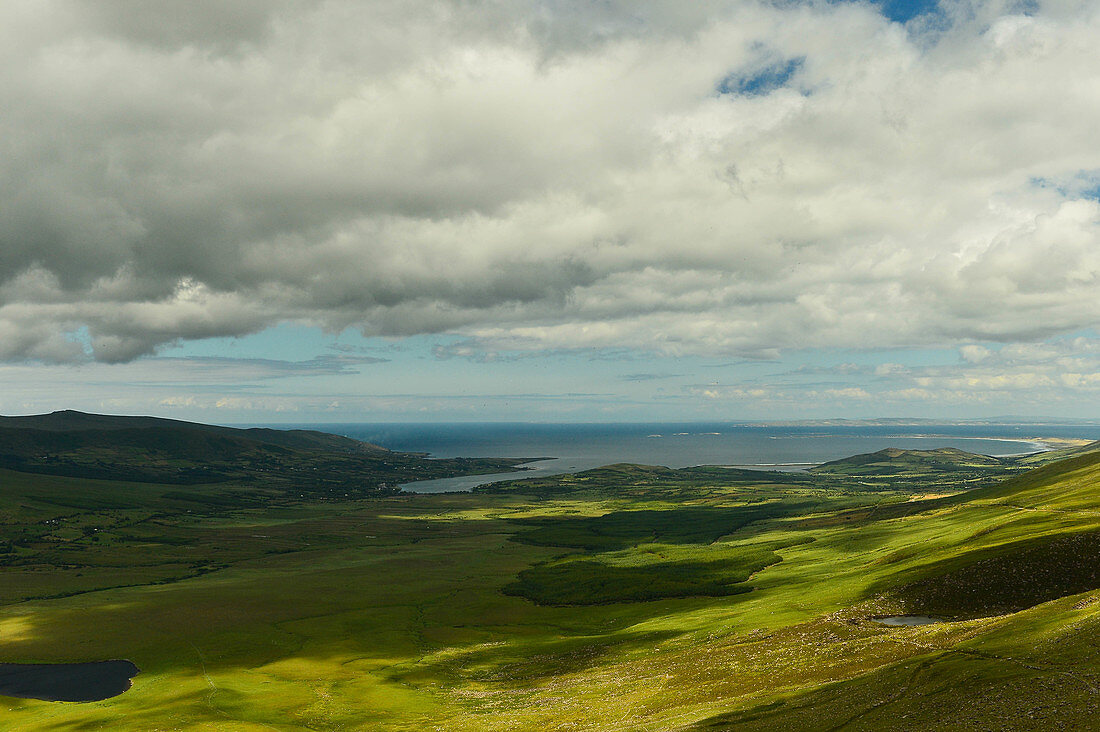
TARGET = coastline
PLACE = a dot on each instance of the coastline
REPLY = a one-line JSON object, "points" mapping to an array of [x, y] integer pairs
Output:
{"points": [[570, 461]]}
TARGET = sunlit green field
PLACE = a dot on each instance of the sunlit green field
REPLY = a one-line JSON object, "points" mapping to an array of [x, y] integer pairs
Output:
{"points": [[626, 598]]}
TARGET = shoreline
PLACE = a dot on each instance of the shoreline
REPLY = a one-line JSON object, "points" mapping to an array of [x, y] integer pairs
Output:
{"points": [[463, 484]]}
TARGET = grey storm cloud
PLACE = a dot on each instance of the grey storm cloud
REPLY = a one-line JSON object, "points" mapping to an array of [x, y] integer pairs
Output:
{"points": [[546, 174]]}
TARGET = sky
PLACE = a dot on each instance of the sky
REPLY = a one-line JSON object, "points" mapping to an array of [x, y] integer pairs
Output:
{"points": [[256, 211]]}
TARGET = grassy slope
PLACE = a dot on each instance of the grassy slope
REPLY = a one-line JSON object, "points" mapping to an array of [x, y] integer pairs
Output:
{"points": [[391, 614]]}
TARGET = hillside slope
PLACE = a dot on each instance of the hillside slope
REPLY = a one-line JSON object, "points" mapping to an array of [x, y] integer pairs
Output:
{"points": [[71, 421], [154, 450], [1014, 571]]}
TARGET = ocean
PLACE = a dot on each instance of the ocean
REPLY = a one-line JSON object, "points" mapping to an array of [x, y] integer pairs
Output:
{"points": [[566, 448]]}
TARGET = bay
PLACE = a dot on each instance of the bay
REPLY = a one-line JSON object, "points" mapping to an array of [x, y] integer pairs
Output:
{"points": [[573, 447]]}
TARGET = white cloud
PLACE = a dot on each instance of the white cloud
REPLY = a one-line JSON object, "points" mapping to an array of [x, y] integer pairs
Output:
{"points": [[973, 353], [890, 369], [545, 175], [1059, 370], [851, 392]]}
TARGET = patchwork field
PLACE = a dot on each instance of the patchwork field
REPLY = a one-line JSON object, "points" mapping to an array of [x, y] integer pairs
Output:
{"points": [[628, 597]]}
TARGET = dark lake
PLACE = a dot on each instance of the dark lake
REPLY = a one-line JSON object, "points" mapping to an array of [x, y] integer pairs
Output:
{"points": [[74, 682], [907, 620]]}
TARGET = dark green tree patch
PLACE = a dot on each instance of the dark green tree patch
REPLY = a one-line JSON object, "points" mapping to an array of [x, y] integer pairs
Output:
{"points": [[591, 582], [624, 529]]}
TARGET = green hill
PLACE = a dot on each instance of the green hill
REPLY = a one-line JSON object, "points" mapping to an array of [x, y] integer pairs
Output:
{"points": [[154, 450], [88, 427], [893, 461]]}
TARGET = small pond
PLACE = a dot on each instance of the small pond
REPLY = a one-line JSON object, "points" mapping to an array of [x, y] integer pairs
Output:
{"points": [[907, 620], [73, 682]]}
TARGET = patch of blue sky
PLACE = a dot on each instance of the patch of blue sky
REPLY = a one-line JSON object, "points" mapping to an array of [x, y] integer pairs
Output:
{"points": [[286, 341], [450, 377], [422, 354], [761, 81], [1082, 184], [911, 357], [81, 336], [1090, 334], [902, 11]]}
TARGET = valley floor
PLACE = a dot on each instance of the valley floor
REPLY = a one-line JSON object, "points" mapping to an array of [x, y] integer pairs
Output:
{"points": [[626, 598]]}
